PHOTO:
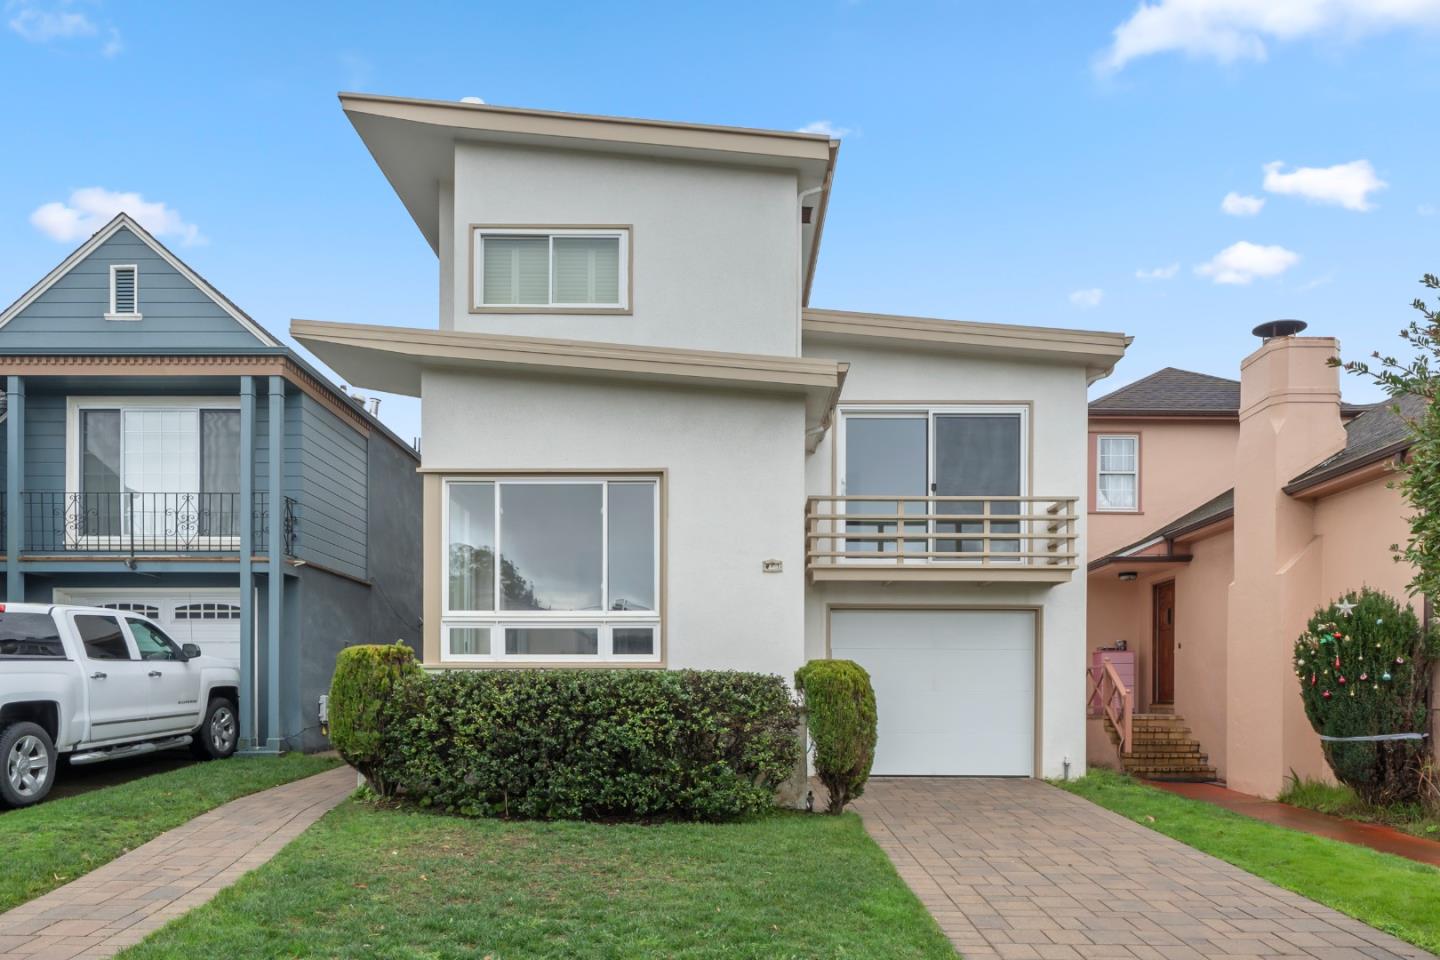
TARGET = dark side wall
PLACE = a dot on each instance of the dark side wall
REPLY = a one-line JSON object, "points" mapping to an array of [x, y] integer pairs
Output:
{"points": [[333, 612]]}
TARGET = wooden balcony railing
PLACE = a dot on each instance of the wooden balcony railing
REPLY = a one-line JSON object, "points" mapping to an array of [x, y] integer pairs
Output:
{"points": [[941, 538]]}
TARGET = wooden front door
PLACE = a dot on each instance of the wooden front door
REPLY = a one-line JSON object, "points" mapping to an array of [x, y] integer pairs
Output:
{"points": [[1164, 642]]}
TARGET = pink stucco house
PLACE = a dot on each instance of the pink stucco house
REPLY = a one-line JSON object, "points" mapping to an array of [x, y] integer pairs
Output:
{"points": [[1221, 514]]}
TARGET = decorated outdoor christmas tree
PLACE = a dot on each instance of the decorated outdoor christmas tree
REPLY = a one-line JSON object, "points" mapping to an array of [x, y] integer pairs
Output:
{"points": [[1364, 670]]}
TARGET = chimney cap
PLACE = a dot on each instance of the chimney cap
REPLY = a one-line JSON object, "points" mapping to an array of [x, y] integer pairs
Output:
{"points": [[1279, 328]]}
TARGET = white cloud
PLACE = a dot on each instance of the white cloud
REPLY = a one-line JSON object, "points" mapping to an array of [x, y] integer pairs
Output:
{"points": [[1241, 205], [41, 25], [90, 208], [825, 127], [1242, 262], [1087, 299], [1348, 185], [1158, 273], [1231, 30]]}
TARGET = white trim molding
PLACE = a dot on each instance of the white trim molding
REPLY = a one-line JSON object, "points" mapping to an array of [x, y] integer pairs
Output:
{"points": [[114, 312]]}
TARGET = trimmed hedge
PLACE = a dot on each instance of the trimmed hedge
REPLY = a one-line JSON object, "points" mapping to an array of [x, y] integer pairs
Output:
{"points": [[840, 706], [591, 744], [361, 693]]}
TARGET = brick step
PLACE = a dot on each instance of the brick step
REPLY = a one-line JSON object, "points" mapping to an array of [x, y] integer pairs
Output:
{"points": [[1181, 776], [1159, 769], [1167, 759]]}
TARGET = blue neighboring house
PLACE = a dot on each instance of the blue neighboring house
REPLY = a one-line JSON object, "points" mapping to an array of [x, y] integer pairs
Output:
{"points": [[164, 453]]}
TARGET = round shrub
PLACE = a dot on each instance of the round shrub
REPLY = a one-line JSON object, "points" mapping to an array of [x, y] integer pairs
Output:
{"points": [[363, 699], [593, 744], [1364, 669], [840, 704]]}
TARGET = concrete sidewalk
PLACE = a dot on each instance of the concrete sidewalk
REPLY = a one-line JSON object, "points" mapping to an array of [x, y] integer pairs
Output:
{"points": [[119, 904]]}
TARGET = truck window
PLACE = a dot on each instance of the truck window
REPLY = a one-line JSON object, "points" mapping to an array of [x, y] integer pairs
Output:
{"points": [[102, 637], [27, 635], [152, 642]]}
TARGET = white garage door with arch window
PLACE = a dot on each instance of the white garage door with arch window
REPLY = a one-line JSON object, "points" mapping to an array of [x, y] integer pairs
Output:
{"points": [[209, 619], [955, 689]]}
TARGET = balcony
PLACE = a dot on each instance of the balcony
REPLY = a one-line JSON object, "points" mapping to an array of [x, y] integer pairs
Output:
{"points": [[183, 524], [940, 538]]}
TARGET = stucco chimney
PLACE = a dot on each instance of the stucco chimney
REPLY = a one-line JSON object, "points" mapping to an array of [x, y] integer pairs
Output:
{"points": [[1289, 421]]}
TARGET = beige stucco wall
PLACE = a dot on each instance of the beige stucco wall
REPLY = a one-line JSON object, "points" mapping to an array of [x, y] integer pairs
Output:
{"points": [[1055, 395], [716, 249], [1183, 463], [734, 493], [1358, 526]]}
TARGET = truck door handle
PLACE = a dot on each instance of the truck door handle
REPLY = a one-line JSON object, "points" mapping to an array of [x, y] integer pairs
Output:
{"points": [[155, 673], [97, 675]]}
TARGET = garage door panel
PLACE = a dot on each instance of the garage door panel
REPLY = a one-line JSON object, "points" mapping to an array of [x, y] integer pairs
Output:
{"points": [[954, 689], [206, 618]]}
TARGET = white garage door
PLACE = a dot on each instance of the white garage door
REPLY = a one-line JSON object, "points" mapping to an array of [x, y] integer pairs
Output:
{"points": [[954, 689], [208, 618]]}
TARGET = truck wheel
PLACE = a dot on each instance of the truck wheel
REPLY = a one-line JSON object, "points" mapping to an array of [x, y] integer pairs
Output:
{"points": [[29, 759], [219, 734]]}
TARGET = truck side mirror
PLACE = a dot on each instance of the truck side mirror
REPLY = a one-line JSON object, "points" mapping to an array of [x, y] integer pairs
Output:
{"points": [[190, 650]]}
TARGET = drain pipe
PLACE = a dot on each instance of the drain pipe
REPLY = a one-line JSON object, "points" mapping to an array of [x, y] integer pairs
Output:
{"points": [[1067, 766]]}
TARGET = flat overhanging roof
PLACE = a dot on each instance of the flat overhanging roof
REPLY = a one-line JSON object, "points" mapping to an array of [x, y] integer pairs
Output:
{"points": [[394, 359]]}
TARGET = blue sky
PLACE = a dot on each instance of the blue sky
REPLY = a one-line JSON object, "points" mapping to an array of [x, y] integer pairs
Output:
{"points": [[1019, 162]]}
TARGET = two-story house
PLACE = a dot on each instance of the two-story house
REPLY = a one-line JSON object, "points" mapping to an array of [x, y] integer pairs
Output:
{"points": [[1223, 513], [164, 454], [644, 449]]}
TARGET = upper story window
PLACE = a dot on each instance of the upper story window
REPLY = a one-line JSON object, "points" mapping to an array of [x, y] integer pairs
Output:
{"points": [[124, 292], [537, 269], [164, 467], [1117, 473]]}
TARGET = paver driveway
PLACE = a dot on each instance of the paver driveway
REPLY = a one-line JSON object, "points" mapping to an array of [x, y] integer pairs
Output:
{"points": [[1021, 870]]}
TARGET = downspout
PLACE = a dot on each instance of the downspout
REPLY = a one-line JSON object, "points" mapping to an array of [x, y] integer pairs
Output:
{"points": [[800, 263]]}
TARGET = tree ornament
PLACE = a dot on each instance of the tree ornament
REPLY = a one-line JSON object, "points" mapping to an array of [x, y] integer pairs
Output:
{"points": [[1312, 679], [1345, 607], [1364, 677], [1340, 680], [1399, 660], [1325, 694], [1385, 676], [1337, 661]]}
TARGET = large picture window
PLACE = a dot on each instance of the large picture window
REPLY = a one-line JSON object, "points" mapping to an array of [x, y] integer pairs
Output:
{"points": [[544, 569]]}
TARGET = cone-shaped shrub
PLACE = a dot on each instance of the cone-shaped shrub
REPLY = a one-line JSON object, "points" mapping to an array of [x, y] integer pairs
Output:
{"points": [[1364, 669], [840, 704], [365, 682]]}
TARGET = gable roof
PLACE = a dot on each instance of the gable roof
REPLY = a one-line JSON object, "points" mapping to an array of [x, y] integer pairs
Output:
{"points": [[1214, 510], [1375, 435], [1172, 392], [124, 221]]}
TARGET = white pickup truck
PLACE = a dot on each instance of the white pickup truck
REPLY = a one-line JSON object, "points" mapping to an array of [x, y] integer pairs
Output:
{"points": [[99, 684]]}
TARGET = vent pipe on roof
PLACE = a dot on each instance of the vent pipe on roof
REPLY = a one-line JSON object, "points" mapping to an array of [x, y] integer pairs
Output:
{"points": [[1279, 328]]}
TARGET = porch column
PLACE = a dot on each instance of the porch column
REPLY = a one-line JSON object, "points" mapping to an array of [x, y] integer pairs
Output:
{"points": [[276, 576], [14, 484], [247, 550]]}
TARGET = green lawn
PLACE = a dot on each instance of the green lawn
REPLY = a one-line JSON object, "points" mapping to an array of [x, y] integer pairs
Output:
{"points": [[52, 843], [1340, 801], [376, 882], [1390, 893]]}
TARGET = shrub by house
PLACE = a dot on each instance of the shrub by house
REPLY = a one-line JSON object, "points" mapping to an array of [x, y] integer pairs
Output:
{"points": [[361, 705], [840, 709], [584, 744], [1364, 669]]}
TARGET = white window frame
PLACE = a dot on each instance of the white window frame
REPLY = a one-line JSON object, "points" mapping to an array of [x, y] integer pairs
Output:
{"points": [[478, 235], [73, 407], [498, 620], [135, 314], [845, 412], [1100, 471]]}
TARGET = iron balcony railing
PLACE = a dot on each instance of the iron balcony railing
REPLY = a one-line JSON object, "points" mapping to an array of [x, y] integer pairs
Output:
{"points": [[130, 523]]}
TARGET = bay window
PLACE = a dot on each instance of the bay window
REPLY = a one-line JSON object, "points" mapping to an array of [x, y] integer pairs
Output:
{"points": [[547, 569]]}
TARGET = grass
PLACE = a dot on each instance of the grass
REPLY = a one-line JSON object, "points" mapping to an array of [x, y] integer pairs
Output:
{"points": [[371, 881], [52, 843], [1389, 893], [1340, 801]]}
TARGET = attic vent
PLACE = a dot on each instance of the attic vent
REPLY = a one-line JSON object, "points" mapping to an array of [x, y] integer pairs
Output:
{"points": [[124, 293]]}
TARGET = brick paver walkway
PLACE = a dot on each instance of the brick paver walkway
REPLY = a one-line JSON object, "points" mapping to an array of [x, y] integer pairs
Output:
{"points": [[118, 904], [1021, 870]]}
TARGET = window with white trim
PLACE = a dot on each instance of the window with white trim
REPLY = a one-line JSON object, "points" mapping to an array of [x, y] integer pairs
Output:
{"points": [[578, 571], [1117, 473], [124, 292], [207, 611], [551, 269]]}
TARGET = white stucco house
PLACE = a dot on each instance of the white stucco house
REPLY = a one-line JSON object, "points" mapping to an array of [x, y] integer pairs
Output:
{"points": [[681, 464]]}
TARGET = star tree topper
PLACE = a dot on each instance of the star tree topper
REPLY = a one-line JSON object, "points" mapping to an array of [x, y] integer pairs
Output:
{"points": [[1345, 607]]}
